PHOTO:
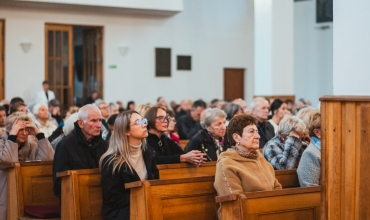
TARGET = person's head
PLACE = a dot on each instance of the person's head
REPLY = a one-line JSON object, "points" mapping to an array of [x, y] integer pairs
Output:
{"points": [[18, 107], [13, 101], [129, 127], [157, 120], [40, 111], [22, 118], [131, 105], [2, 116], [242, 103], [186, 104], [161, 102], [278, 109], [242, 132], [111, 121], [73, 109], [94, 95], [142, 109], [260, 109], [45, 85], [290, 105], [69, 123], [89, 120], [113, 109], [313, 123], [214, 103], [54, 104], [196, 109], [301, 113], [232, 109], [172, 122], [215, 122], [104, 108], [291, 124]]}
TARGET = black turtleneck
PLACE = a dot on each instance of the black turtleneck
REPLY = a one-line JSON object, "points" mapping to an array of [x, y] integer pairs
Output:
{"points": [[166, 150]]}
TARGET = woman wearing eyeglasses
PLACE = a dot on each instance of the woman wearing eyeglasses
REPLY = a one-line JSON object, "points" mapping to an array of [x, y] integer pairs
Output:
{"points": [[128, 159], [167, 150], [22, 141]]}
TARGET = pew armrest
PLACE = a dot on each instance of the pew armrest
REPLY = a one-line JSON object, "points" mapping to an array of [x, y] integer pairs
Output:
{"points": [[80, 172], [133, 185]]}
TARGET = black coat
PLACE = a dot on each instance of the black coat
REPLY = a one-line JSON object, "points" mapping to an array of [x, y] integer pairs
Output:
{"points": [[203, 141], [116, 199], [187, 127], [266, 131], [74, 152], [168, 153]]}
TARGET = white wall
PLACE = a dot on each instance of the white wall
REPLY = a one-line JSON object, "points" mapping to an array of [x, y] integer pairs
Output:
{"points": [[351, 47], [217, 34], [313, 54], [167, 5]]}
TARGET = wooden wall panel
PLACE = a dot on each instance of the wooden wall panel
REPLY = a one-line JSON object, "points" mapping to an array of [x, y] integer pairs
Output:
{"points": [[345, 156]]}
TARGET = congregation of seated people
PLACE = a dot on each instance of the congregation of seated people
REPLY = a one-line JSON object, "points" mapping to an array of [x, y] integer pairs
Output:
{"points": [[126, 144]]}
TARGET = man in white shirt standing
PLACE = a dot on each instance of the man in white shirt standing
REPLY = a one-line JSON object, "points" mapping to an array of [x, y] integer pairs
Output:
{"points": [[44, 96]]}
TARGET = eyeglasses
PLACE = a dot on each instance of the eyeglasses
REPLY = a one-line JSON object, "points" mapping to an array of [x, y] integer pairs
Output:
{"points": [[163, 118], [141, 122]]}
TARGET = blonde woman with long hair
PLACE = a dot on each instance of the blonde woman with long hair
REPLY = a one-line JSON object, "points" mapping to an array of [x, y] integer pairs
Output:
{"points": [[127, 159]]}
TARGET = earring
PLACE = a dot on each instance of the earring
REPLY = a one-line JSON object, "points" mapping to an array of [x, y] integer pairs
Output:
{"points": [[237, 143]]}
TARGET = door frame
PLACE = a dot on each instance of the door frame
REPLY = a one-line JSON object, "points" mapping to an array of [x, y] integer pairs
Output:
{"points": [[2, 59]]}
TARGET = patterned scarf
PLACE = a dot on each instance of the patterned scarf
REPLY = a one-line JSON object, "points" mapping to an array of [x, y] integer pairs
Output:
{"points": [[251, 155]]}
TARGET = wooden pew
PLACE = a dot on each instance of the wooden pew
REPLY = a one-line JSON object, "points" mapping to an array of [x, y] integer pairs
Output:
{"points": [[81, 189], [292, 204], [183, 143], [188, 198], [29, 184]]}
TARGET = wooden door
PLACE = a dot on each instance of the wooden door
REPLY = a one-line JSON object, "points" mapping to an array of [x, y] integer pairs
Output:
{"points": [[233, 84], [2, 42], [59, 62], [92, 61]]}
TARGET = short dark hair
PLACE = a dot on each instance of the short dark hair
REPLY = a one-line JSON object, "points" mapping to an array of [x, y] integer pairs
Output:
{"points": [[112, 119], [170, 113], [2, 108], [275, 105], [199, 103], [287, 101], [15, 106], [151, 116], [16, 99], [45, 82], [54, 102], [128, 104], [237, 125]]}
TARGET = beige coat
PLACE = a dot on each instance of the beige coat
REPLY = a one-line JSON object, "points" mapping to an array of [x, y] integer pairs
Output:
{"points": [[236, 174], [33, 149]]}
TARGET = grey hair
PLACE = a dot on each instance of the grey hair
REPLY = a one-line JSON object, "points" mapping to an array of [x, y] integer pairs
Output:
{"points": [[231, 109], [84, 111], [255, 101], [291, 123], [210, 115], [36, 108], [98, 102], [69, 124], [16, 115]]}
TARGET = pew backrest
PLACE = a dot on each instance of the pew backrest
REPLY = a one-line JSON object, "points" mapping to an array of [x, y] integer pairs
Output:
{"points": [[183, 144], [187, 198], [29, 184], [81, 194], [292, 204], [287, 178], [186, 170]]}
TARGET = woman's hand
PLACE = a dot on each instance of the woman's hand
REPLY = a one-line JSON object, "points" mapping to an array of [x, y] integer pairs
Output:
{"points": [[294, 134], [195, 157], [305, 138], [33, 128], [17, 125]]}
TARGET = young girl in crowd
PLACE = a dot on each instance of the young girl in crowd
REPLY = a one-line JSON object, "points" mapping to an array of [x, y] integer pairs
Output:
{"points": [[127, 159]]}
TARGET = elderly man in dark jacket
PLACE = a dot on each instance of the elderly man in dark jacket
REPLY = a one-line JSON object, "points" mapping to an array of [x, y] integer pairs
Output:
{"points": [[260, 110], [189, 124], [82, 148]]}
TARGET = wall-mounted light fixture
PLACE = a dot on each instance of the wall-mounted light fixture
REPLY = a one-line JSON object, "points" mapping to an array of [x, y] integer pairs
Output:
{"points": [[26, 46], [123, 50]]}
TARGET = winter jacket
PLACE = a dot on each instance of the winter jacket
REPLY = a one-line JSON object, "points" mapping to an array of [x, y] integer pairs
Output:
{"points": [[35, 148], [74, 152], [283, 156], [236, 174], [116, 199], [187, 127], [203, 142], [166, 150], [48, 129], [309, 167]]}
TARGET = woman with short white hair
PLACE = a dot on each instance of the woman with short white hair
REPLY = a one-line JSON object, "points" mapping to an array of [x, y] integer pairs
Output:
{"points": [[210, 140], [67, 129], [283, 151], [44, 122]]}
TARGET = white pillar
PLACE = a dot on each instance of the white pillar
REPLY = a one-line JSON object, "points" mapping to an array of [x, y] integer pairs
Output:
{"points": [[273, 47], [351, 47]]}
